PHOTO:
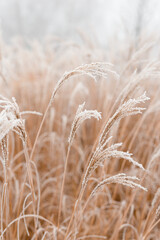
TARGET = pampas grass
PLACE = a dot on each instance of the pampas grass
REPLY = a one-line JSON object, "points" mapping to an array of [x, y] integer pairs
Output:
{"points": [[70, 172]]}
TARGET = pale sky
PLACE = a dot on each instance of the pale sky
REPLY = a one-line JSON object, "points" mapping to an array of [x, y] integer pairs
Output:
{"points": [[100, 19]]}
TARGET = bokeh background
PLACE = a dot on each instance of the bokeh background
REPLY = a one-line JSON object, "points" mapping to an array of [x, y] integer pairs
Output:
{"points": [[98, 20]]}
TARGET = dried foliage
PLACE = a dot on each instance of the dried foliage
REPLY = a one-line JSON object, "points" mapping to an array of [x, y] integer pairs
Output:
{"points": [[71, 173]]}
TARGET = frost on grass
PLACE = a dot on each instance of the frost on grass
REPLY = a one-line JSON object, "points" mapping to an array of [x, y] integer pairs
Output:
{"points": [[11, 120], [93, 70], [120, 178], [128, 108], [81, 116], [102, 152]]}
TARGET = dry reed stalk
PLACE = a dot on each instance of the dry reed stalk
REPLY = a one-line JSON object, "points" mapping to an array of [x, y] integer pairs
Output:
{"points": [[92, 70], [114, 212], [11, 120], [80, 117], [102, 153]]}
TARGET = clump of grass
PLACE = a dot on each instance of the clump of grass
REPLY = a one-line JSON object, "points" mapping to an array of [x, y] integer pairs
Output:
{"points": [[63, 174]]}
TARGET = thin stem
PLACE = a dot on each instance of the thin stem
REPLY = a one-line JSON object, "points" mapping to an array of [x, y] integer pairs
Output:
{"points": [[39, 131], [4, 195], [63, 182], [25, 216], [29, 172], [75, 208], [152, 227], [43, 119], [2, 205]]}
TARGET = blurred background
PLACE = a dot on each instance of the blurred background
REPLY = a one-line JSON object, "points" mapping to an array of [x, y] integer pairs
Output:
{"points": [[97, 20]]}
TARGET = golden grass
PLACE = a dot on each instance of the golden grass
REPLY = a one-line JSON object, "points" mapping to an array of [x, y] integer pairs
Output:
{"points": [[80, 155]]}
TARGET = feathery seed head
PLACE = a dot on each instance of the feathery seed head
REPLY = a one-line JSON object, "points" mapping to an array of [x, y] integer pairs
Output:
{"points": [[81, 116]]}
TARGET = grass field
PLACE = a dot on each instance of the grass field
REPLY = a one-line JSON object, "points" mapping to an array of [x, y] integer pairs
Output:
{"points": [[80, 141]]}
